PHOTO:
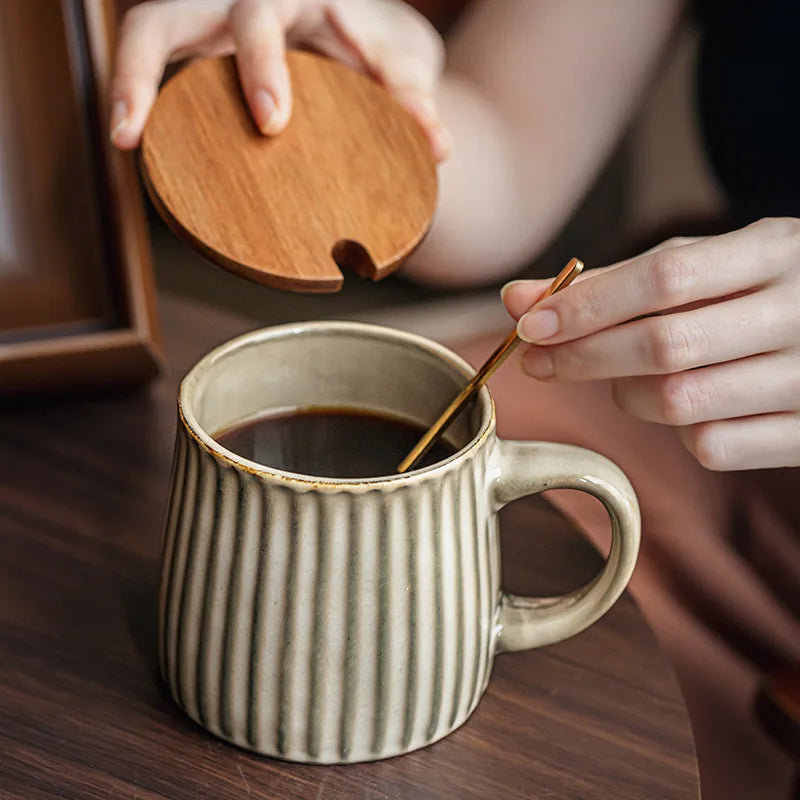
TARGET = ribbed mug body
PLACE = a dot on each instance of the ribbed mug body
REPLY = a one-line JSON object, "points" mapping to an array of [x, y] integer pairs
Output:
{"points": [[327, 621]]}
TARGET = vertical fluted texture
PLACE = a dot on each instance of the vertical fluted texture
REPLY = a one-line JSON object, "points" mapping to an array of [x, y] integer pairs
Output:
{"points": [[322, 625]]}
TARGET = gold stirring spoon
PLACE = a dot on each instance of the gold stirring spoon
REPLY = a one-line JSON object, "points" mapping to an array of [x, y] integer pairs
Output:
{"points": [[429, 438]]}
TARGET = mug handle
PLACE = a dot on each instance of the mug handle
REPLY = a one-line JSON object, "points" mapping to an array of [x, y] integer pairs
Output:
{"points": [[533, 467]]}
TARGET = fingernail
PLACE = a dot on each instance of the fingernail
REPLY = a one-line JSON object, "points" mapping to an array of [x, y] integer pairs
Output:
{"points": [[538, 363], [264, 110], [119, 119], [538, 326]]}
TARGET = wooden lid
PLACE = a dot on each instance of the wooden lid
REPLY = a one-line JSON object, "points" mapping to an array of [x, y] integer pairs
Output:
{"points": [[351, 182]]}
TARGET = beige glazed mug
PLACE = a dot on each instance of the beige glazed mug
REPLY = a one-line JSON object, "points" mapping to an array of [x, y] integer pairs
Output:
{"points": [[327, 621]]}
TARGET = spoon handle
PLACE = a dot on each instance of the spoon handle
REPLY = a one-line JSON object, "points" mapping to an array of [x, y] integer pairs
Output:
{"points": [[503, 351]]}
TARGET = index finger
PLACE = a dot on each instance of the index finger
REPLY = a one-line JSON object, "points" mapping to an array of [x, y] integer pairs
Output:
{"points": [[520, 296], [656, 281], [150, 33]]}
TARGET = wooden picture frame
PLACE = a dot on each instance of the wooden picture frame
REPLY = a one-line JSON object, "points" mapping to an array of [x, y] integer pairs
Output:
{"points": [[77, 292]]}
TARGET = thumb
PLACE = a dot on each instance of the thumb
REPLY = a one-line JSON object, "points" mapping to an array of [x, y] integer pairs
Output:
{"points": [[520, 296]]}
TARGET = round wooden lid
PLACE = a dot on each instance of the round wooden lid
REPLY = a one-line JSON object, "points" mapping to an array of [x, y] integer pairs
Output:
{"points": [[350, 183]]}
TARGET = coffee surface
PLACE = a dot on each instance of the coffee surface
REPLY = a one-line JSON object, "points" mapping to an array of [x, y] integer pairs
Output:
{"points": [[330, 442]]}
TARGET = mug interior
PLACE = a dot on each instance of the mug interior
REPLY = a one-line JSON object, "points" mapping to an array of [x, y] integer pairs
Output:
{"points": [[329, 365]]}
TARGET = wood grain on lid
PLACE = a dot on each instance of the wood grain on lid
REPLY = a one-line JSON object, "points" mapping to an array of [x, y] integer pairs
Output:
{"points": [[351, 180]]}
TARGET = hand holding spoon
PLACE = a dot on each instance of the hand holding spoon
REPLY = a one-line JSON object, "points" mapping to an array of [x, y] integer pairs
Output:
{"points": [[429, 438]]}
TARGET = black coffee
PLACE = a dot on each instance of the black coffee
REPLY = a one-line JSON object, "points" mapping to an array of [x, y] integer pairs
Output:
{"points": [[330, 443]]}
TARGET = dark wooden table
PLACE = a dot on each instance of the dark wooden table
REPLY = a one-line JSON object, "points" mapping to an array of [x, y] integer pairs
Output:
{"points": [[83, 715]]}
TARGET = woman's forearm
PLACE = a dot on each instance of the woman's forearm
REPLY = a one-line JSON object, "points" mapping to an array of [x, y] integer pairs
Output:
{"points": [[536, 95]]}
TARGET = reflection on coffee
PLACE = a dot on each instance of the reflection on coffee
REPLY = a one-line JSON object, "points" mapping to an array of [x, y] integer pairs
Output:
{"points": [[330, 442]]}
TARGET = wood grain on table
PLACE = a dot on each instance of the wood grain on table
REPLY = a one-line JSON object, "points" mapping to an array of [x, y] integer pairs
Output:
{"points": [[83, 485]]}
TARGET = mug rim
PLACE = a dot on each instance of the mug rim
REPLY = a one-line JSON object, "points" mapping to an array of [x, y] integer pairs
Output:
{"points": [[255, 337]]}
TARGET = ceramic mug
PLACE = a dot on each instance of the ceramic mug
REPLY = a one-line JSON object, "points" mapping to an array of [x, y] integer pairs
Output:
{"points": [[326, 621]]}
